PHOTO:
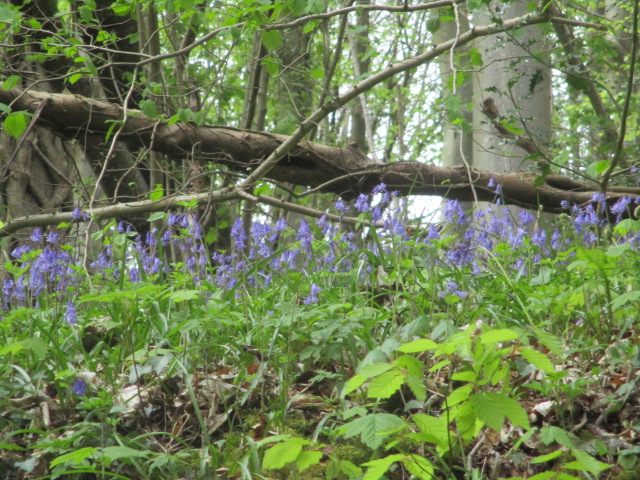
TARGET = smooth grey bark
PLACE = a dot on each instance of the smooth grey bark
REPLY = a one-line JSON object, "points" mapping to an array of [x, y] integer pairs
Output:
{"points": [[517, 84]]}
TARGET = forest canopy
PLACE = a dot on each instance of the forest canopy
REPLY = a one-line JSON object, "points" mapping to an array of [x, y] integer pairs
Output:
{"points": [[106, 103]]}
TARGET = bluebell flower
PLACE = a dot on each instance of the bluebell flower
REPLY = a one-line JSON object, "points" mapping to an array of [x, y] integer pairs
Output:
{"points": [[620, 206], [305, 236], [525, 217], [134, 275], [564, 204], [460, 255], [380, 188], [362, 203], [453, 289], [79, 387], [37, 236], [313, 294], [634, 170], [341, 207], [238, 234], [539, 237], [53, 238], [71, 316], [492, 182], [599, 197], [454, 213]]}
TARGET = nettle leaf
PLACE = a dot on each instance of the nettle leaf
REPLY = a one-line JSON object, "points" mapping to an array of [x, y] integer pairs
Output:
{"points": [[15, 124], [377, 468], [386, 384], [370, 428], [538, 359], [271, 39]]}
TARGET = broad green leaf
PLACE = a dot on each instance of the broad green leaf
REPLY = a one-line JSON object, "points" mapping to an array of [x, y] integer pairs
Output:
{"points": [[459, 395], [370, 428], [184, 295], [157, 194], [488, 411], [374, 369], [281, 454], [416, 384], [10, 82], [308, 458], [585, 463], [419, 466], [156, 216], [625, 298], [512, 128], [317, 73], [377, 468], [498, 335], [149, 108], [547, 457], [386, 384], [271, 39], [417, 346], [15, 124], [538, 359], [118, 452], [435, 427], [354, 383], [74, 458]]}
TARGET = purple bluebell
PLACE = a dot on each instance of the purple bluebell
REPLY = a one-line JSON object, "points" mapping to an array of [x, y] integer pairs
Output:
{"points": [[79, 387], [362, 203], [312, 298], [525, 217], [37, 236], [238, 234], [304, 236], [71, 315]]}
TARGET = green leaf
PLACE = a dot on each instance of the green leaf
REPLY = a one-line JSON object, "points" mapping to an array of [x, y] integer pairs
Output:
{"points": [[512, 128], [271, 39], [10, 82], [475, 57], [459, 395], [386, 384], [354, 383], [157, 216], [625, 298], [157, 194], [317, 73], [118, 452], [281, 454], [546, 458], [370, 428], [15, 124], [492, 407], [538, 359], [184, 295], [498, 335], [308, 458], [585, 463], [374, 369], [377, 468], [419, 467], [74, 458], [149, 108], [418, 346]]}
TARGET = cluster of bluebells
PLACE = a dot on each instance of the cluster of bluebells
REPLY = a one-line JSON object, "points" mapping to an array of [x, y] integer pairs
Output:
{"points": [[258, 254]]}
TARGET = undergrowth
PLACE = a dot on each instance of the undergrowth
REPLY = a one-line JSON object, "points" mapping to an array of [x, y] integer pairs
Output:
{"points": [[485, 347]]}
